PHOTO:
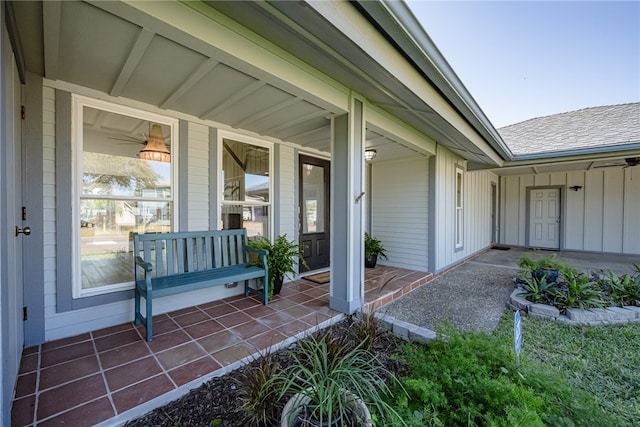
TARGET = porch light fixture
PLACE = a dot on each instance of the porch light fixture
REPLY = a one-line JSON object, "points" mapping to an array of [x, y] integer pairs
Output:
{"points": [[370, 154], [576, 187], [307, 169], [155, 148]]}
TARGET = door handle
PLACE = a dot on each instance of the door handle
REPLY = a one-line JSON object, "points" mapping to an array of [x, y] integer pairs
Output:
{"points": [[26, 231]]}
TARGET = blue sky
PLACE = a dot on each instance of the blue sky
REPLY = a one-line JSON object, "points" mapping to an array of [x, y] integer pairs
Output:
{"points": [[526, 59]]}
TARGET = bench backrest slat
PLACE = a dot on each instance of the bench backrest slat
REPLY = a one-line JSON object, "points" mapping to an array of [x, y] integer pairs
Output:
{"points": [[181, 252]]}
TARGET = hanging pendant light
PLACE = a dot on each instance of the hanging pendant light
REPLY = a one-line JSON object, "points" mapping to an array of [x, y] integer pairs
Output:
{"points": [[156, 149]]}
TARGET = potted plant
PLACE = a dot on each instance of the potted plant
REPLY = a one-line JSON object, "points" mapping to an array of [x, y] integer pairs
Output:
{"points": [[373, 249], [329, 382], [546, 267], [281, 261]]}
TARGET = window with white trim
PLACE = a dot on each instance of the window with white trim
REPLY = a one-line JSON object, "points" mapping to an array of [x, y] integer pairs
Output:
{"points": [[124, 174], [459, 208], [246, 201]]}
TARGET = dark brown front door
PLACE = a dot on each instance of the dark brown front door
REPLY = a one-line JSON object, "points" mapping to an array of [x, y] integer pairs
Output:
{"points": [[314, 211]]}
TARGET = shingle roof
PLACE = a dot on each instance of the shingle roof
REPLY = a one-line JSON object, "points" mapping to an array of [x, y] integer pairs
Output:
{"points": [[586, 128]]}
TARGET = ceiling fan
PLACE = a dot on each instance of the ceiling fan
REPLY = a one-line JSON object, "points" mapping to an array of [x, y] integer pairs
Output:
{"points": [[155, 145]]}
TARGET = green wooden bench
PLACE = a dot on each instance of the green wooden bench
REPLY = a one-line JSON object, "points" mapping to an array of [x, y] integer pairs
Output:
{"points": [[171, 263]]}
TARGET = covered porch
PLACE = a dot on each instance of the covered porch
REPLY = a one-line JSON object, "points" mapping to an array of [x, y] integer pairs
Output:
{"points": [[113, 375]]}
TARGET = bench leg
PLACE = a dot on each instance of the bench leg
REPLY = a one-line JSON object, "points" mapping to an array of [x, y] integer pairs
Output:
{"points": [[149, 323], [136, 314], [265, 291]]}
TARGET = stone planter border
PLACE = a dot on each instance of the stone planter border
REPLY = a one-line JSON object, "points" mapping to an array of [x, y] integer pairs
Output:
{"points": [[574, 316]]}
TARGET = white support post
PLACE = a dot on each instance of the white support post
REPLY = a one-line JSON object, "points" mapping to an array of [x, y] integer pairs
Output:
{"points": [[347, 213]]}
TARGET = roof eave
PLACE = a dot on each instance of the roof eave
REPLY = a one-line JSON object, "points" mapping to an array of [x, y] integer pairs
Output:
{"points": [[402, 27]]}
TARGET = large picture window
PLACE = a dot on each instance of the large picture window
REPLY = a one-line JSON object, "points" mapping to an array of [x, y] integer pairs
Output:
{"points": [[124, 178], [247, 187]]}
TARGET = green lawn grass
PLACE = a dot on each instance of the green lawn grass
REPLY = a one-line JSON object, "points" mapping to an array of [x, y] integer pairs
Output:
{"points": [[604, 361], [582, 376]]}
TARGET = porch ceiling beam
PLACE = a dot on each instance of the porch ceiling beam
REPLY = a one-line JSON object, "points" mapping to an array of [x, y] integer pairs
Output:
{"points": [[202, 70], [294, 122], [308, 133], [51, 15], [241, 94], [267, 111], [135, 56], [204, 30]]}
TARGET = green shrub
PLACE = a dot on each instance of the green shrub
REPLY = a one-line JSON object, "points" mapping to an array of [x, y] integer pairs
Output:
{"points": [[469, 379]]}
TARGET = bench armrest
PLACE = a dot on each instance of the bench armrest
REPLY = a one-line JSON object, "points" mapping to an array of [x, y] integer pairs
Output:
{"points": [[256, 250], [146, 266]]}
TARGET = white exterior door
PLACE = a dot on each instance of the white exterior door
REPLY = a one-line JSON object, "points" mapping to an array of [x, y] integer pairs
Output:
{"points": [[11, 291], [544, 218]]}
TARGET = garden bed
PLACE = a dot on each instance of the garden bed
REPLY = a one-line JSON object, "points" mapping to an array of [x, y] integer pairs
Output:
{"points": [[547, 288]]}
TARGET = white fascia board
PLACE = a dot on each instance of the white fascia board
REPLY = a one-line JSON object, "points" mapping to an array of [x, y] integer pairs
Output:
{"points": [[381, 121], [351, 22], [601, 153], [205, 30]]}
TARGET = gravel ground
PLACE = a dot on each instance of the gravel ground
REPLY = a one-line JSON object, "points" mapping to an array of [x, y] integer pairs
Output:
{"points": [[471, 297]]}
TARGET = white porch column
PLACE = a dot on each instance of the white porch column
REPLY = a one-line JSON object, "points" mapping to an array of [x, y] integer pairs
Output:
{"points": [[347, 213]]}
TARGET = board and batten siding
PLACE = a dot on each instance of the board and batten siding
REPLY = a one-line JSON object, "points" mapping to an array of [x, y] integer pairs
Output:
{"points": [[602, 216], [476, 207], [399, 211], [198, 176]]}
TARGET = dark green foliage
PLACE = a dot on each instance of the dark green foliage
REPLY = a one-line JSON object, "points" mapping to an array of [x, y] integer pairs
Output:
{"points": [[622, 290], [257, 392], [536, 290], [366, 330], [469, 379], [373, 246], [282, 259], [577, 291]]}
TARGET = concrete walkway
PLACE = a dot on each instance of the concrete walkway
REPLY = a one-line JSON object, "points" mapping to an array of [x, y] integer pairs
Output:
{"points": [[473, 296]]}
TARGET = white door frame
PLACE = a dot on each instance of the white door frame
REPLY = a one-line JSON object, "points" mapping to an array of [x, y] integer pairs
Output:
{"points": [[561, 216]]}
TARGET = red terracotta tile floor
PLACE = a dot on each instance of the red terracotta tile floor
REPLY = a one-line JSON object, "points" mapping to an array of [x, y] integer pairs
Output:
{"points": [[96, 377]]}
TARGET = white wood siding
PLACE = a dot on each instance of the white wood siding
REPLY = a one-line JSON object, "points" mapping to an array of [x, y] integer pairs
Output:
{"points": [[286, 204], [476, 210], [399, 211], [603, 216], [49, 202], [198, 176]]}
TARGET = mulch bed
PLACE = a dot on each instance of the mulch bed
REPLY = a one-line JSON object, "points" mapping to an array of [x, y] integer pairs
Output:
{"points": [[217, 402]]}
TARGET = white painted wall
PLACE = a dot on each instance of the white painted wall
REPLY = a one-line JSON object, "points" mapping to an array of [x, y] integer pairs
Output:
{"points": [[603, 216], [198, 176], [286, 205], [399, 211], [49, 202], [476, 210]]}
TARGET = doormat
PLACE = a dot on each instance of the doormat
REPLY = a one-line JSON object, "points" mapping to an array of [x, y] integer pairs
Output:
{"points": [[320, 278], [501, 248]]}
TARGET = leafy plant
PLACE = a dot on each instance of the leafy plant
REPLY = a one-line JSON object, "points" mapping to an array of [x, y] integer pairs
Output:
{"points": [[282, 259], [625, 289], [366, 330], [373, 247], [577, 291], [545, 266], [324, 370], [257, 393], [536, 290]]}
